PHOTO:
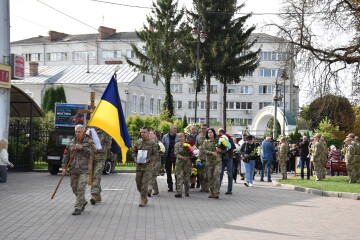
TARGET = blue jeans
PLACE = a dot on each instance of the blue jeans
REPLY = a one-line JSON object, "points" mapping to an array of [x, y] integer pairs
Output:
{"points": [[249, 173], [304, 160], [229, 166], [266, 163]]}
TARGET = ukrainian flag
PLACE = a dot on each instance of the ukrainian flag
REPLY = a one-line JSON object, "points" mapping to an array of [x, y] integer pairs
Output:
{"points": [[110, 118]]}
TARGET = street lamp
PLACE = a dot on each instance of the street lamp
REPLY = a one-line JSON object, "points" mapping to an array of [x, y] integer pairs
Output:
{"points": [[284, 77], [276, 98], [197, 33]]}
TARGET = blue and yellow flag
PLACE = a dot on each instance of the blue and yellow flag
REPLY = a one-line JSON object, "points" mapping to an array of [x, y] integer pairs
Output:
{"points": [[110, 118]]}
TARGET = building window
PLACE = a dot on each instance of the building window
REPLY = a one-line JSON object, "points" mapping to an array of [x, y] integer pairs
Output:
{"points": [[83, 55], [239, 105], [177, 104], [142, 104], [231, 90], [158, 106], [130, 54], [61, 56], [192, 89], [265, 72], [246, 89], [266, 89], [32, 57], [106, 54], [134, 103], [213, 105], [249, 74], [273, 56], [176, 88], [264, 104], [152, 100], [239, 121], [213, 89]]}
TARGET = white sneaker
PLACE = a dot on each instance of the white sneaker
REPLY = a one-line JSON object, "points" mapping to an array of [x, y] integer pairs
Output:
{"points": [[250, 185]]}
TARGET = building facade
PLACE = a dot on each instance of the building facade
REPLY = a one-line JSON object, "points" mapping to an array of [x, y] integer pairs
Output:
{"points": [[244, 99]]}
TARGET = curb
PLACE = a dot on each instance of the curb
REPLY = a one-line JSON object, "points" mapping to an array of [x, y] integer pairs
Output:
{"points": [[353, 196]]}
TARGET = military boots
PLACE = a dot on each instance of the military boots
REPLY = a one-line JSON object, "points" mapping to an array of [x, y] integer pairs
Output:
{"points": [[95, 198]]}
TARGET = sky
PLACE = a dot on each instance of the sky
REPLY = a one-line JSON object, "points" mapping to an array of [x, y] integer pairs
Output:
{"points": [[30, 18]]}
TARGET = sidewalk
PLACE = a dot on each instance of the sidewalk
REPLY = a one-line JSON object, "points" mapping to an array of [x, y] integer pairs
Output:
{"points": [[260, 212]]}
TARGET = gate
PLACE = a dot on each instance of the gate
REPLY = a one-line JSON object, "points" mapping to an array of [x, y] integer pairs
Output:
{"points": [[27, 145]]}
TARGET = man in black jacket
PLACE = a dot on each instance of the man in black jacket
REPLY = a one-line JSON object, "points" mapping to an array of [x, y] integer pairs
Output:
{"points": [[304, 153]]}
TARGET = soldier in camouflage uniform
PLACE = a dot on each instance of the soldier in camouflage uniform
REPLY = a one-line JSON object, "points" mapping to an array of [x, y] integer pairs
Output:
{"points": [[213, 162], [201, 170], [350, 160], [79, 166], [144, 170], [318, 157], [283, 157], [183, 166], [357, 156], [156, 164], [98, 165]]}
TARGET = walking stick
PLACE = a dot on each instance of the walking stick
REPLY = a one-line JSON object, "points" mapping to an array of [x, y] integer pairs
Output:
{"points": [[67, 166]]}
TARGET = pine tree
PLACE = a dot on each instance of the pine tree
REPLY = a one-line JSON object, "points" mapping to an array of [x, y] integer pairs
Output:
{"points": [[161, 38], [225, 54], [185, 122], [48, 103]]}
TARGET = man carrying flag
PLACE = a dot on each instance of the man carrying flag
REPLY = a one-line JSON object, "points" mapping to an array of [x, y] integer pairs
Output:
{"points": [[109, 117]]}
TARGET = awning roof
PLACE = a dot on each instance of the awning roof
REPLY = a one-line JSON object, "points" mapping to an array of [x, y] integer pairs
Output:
{"points": [[22, 105]]}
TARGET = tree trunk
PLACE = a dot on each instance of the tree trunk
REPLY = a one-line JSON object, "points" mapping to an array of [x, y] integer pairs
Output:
{"points": [[169, 102], [208, 82], [224, 104]]}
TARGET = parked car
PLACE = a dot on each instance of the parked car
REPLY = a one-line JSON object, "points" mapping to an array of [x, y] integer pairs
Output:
{"points": [[58, 140]]}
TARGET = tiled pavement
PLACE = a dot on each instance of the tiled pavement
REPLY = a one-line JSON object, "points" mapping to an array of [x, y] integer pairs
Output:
{"points": [[260, 212]]}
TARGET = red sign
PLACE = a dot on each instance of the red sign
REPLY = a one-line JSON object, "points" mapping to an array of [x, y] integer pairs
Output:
{"points": [[18, 66], [5, 80]]}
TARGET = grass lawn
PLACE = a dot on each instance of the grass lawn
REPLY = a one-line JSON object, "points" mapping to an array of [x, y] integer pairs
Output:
{"points": [[330, 183]]}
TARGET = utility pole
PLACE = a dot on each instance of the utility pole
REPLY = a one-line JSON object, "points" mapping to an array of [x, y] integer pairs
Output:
{"points": [[5, 69]]}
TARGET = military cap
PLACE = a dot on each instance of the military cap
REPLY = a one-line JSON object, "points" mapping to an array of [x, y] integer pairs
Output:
{"points": [[348, 139], [351, 135]]}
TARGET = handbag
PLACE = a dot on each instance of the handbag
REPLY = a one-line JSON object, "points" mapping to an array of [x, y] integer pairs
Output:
{"points": [[225, 157]]}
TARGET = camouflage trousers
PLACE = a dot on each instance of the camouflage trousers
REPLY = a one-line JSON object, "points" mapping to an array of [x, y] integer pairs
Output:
{"points": [[183, 170], [203, 176], [283, 169], [154, 173], [357, 163], [352, 171], [213, 170], [97, 173], [319, 166], [78, 184], [143, 176]]}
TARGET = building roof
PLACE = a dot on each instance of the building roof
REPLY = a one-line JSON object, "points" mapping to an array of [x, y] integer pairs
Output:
{"points": [[77, 74], [119, 36]]}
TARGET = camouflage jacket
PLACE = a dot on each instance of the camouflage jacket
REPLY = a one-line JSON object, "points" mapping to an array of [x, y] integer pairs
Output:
{"points": [[283, 152], [80, 162], [180, 151], [319, 152], [350, 153], [149, 145], [199, 141], [210, 146]]}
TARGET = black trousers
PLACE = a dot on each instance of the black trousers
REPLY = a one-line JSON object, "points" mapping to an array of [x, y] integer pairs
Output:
{"points": [[235, 168], [169, 165]]}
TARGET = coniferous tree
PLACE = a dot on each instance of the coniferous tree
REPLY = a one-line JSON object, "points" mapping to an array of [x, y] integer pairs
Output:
{"points": [[60, 94], [226, 52], [159, 54]]}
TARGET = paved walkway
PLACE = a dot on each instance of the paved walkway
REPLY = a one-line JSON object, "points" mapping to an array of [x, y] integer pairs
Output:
{"points": [[260, 212]]}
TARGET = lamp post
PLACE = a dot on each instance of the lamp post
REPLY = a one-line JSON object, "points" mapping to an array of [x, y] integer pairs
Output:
{"points": [[197, 33], [284, 77], [276, 98]]}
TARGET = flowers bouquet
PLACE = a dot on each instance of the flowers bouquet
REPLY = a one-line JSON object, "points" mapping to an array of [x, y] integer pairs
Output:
{"points": [[194, 172], [191, 149], [252, 156], [223, 143], [161, 147]]}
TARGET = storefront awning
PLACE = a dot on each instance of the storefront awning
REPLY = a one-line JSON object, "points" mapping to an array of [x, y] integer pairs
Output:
{"points": [[22, 105]]}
